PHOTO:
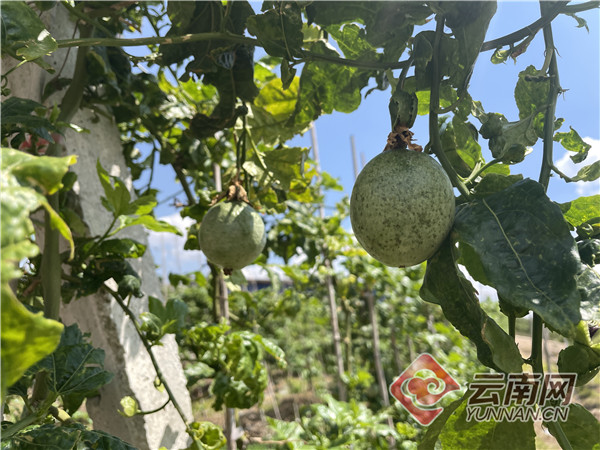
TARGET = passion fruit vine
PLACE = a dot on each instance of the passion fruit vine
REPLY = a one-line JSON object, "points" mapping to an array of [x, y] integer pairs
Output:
{"points": [[232, 235], [402, 207]]}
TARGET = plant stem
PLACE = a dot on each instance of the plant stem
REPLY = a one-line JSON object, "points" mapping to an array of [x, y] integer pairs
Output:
{"points": [[560, 435], [148, 348], [547, 166], [307, 56], [28, 420], [184, 184], [479, 170], [87, 19], [155, 410], [554, 90], [529, 30], [536, 344], [50, 268], [585, 6], [512, 325], [14, 428], [434, 104]]}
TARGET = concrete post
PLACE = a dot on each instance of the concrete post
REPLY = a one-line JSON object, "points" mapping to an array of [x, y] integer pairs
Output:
{"points": [[99, 314]]}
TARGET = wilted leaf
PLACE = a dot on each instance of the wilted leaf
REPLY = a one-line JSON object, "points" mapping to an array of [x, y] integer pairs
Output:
{"points": [[573, 142]]}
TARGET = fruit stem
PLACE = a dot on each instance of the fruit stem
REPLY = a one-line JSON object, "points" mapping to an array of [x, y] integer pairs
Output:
{"points": [[434, 104]]}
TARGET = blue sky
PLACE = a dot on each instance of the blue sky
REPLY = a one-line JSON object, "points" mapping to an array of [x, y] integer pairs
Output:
{"points": [[493, 85]]}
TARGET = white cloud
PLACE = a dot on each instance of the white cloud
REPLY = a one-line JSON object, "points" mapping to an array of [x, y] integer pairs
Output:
{"points": [[565, 165]]}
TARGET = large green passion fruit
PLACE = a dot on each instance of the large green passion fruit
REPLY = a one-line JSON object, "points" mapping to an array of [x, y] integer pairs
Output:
{"points": [[232, 234], [402, 207]]}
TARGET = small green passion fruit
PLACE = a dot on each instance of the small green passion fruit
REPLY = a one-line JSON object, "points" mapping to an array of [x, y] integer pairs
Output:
{"points": [[232, 235], [402, 207]]}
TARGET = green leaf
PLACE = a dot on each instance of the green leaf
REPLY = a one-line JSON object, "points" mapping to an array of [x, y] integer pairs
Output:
{"points": [[20, 114], [526, 250], [459, 140], [469, 23], [20, 173], [176, 312], [433, 431], [580, 359], [490, 435], [351, 41], [75, 367], [505, 352], [171, 315], [447, 96], [271, 348], [494, 182], [531, 92], [142, 205], [19, 25], [582, 429], [147, 221], [123, 248], [66, 437], [276, 101], [43, 45], [271, 110], [508, 141], [286, 164], [445, 285], [130, 285], [130, 406], [581, 210], [279, 30], [581, 22], [325, 87], [117, 197], [404, 107], [588, 284], [573, 142], [288, 74], [151, 326], [208, 435], [26, 337], [45, 172], [589, 251], [500, 56], [588, 173], [387, 24]]}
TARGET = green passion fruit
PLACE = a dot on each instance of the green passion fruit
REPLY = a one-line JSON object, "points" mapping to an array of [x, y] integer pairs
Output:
{"points": [[402, 207], [232, 235]]}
